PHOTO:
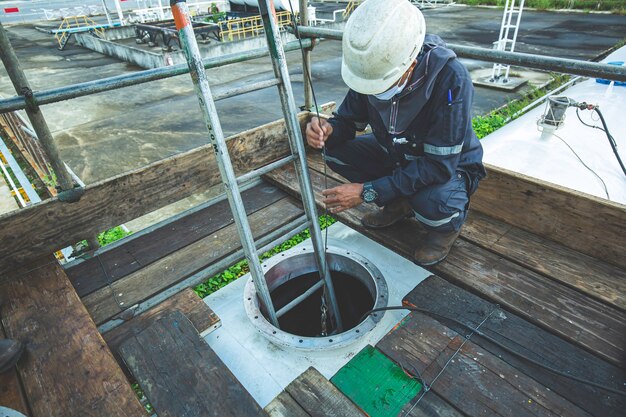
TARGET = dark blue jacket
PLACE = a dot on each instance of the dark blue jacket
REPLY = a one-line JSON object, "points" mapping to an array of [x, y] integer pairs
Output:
{"points": [[426, 129]]}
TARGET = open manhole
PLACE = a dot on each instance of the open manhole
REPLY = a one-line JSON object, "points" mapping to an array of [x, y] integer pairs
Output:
{"points": [[359, 287]]}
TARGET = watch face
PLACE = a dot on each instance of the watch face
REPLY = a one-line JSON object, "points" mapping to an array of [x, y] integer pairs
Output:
{"points": [[369, 196]]}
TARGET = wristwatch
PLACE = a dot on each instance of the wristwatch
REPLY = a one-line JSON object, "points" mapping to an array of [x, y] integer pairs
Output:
{"points": [[369, 194]]}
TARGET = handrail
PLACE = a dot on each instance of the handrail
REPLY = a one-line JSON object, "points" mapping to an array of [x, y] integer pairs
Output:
{"points": [[68, 92], [564, 65]]}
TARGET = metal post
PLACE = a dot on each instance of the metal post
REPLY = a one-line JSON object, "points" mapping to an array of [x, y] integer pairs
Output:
{"points": [[18, 78], [306, 59], [180, 10], [120, 14], [296, 142], [106, 12]]}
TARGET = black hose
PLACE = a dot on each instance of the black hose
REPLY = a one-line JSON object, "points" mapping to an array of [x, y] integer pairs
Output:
{"points": [[500, 345], [611, 140]]}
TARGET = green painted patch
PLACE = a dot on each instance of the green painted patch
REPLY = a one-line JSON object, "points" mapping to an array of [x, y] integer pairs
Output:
{"points": [[376, 384]]}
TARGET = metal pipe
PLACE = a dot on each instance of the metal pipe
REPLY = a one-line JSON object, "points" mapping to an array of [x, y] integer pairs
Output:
{"points": [[221, 95], [22, 87], [564, 65], [306, 59], [254, 174], [272, 239], [187, 38], [299, 299], [55, 95], [296, 143]]}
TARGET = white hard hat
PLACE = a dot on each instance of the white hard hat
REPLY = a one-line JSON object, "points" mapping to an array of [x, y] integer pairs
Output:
{"points": [[380, 42]]}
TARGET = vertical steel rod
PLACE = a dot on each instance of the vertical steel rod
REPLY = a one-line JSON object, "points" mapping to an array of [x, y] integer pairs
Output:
{"points": [[306, 59], [22, 87], [272, 34], [180, 10]]}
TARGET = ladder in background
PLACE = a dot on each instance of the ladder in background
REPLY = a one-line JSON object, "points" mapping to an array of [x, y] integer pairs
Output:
{"points": [[182, 19], [508, 35]]}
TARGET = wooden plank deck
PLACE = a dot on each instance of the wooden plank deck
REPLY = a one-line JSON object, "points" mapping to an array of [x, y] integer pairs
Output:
{"points": [[268, 211], [563, 304], [180, 373], [67, 369]]}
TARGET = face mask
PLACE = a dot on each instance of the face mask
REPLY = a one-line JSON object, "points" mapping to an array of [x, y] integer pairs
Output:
{"points": [[387, 95]]}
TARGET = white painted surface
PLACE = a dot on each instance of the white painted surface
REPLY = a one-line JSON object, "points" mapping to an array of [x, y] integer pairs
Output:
{"points": [[265, 369], [518, 147]]}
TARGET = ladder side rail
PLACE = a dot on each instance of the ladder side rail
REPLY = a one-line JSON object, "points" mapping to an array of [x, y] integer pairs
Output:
{"points": [[517, 24], [279, 63], [188, 41], [495, 71]]}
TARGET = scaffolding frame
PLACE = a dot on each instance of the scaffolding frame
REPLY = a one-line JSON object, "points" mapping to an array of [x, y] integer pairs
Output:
{"points": [[29, 100]]}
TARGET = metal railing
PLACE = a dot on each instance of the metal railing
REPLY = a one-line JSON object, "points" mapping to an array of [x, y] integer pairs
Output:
{"points": [[246, 27], [76, 22]]}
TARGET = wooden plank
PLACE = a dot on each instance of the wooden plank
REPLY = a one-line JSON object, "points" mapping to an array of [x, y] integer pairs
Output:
{"points": [[141, 249], [579, 221], [589, 275], [441, 297], [67, 369], [285, 406], [475, 382], [319, 398], [432, 405], [181, 375], [159, 275], [186, 301], [11, 393], [596, 278], [51, 224], [588, 323], [583, 321]]}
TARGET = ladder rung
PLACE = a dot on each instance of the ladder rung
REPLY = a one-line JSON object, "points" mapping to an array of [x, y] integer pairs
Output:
{"points": [[264, 169], [299, 299], [221, 95]]}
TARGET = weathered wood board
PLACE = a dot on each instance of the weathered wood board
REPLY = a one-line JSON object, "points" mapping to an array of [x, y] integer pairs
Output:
{"points": [[310, 394], [586, 322], [186, 301], [143, 248], [579, 221], [67, 369], [51, 224], [595, 278], [441, 297], [159, 275], [181, 375], [475, 382]]}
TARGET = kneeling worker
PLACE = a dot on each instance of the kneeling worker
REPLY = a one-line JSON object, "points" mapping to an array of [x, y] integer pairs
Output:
{"points": [[423, 159]]}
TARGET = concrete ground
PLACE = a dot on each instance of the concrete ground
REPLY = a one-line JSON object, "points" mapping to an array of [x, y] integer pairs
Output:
{"points": [[106, 134]]}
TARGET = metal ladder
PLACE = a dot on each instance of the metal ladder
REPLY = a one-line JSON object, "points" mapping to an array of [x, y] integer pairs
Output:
{"points": [[232, 183], [504, 42]]}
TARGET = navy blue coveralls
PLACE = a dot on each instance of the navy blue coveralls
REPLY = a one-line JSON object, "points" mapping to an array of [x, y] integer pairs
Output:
{"points": [[422, 146]]}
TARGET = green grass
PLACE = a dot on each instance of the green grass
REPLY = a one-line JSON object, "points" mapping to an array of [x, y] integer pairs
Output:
{"points": [[484, 125], [615, 6], [241, 268], [111, 235]]}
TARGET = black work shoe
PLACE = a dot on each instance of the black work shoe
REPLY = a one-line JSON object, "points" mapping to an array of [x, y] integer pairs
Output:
{"points": [[390, 214], [10, 353], [434, 247]]}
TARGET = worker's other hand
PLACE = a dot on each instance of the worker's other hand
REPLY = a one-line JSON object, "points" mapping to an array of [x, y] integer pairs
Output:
{"points": [[317, 132], [343, 197]]}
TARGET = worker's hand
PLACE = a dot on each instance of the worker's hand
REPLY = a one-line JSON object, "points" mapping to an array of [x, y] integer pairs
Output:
{"points": [[343, 197], [317, 132]]}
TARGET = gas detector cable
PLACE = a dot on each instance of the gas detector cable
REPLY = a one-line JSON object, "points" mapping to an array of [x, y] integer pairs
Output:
{"points": [[512, 351], [309, 78]]}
